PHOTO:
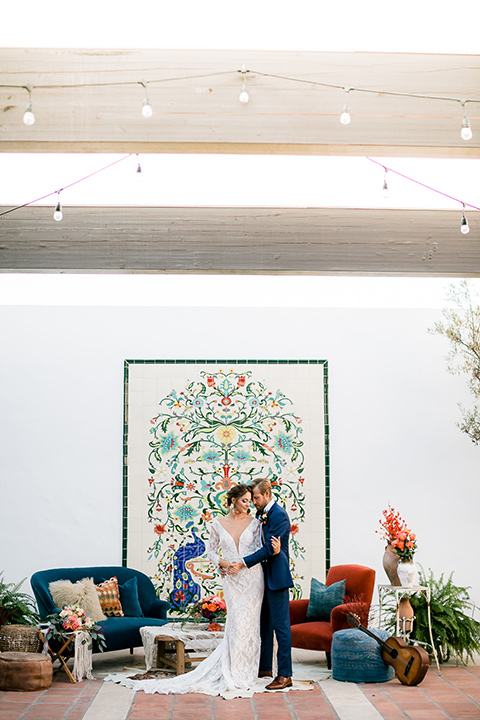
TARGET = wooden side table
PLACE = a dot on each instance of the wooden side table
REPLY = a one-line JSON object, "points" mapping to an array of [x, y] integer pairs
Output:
{"points": [[179, 664], [63, 655]]}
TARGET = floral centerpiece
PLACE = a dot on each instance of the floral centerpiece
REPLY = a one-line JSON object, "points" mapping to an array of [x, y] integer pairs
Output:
{"points": [[212, 608], [401, 547], [395, 532], [71, 619]]}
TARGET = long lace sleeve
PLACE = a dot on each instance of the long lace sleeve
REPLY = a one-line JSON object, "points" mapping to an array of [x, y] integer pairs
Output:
{"points": [[257, 535], [213, 546]]}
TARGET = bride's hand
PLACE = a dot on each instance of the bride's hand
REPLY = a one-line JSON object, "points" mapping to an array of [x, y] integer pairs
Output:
{"points": [[276, 545]]}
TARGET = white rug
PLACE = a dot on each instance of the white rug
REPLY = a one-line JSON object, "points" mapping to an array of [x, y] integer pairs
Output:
{"points": [[129, 676]]}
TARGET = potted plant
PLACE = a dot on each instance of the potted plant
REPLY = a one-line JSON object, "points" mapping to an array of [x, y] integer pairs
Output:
{"points": [[454, 630], [18, 618], [16, 608]]}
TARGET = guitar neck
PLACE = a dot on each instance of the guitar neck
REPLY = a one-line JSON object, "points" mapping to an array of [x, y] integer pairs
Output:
{"points": [[390, 651]]}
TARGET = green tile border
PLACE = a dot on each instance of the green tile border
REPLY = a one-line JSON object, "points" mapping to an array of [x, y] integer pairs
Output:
{"points": [[129, 362]]}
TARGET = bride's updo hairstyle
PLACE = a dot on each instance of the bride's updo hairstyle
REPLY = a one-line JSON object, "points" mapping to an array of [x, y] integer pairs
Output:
{"points": [[237, 491]]}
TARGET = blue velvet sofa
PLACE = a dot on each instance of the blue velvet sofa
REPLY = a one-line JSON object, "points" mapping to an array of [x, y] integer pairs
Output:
{"points": [[121, 633]]}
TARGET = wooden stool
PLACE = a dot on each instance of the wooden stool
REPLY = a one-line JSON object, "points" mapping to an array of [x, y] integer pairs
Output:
{"points": [[25, 671]]}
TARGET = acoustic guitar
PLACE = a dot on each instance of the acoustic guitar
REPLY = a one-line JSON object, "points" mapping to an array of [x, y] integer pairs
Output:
{"points": [[409, 662]]}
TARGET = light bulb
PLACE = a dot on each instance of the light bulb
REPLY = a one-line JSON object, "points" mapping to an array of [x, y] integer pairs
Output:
{"points": [[29, 117], [243, 97], [345, 117], [466, 131], [58, 215], [147, 111], [385, 191], [464, 227], [139, 169]]}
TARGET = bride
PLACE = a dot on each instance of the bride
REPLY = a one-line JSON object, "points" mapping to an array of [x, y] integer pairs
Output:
{"points": [[233, 665]]}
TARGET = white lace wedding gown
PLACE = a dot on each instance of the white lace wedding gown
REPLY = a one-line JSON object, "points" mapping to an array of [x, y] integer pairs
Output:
{"points": [[233, 665]]}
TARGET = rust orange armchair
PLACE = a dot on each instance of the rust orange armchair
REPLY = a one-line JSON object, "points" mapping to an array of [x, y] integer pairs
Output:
{"points": [[316, 634]]}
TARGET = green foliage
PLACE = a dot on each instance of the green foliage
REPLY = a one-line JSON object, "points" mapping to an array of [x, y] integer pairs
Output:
{"points": [[462, 330], [455, 632], [16, 608]]}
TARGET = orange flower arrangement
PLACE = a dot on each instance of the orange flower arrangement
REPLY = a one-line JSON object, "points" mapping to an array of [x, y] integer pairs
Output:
{"points": [[212, 608], [395, 532]]}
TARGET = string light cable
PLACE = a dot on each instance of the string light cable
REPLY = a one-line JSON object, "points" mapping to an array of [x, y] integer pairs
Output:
{"points": [[464, 226], [58, 207], [464, 223], [466, 132]]}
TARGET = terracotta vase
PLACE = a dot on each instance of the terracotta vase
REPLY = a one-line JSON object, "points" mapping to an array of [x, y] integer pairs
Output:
{"points": [[405, 615], [390, 564]]}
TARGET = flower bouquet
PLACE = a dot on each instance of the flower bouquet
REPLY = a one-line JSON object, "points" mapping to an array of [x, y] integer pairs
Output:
{"points": [[212, 608], [71, 619], [395, 532]]}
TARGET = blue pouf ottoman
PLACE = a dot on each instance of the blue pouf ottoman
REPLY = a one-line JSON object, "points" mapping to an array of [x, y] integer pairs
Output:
{"points": [[356, 657]]}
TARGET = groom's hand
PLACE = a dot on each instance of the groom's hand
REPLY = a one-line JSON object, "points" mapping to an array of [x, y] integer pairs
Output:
{"points": [[234, 567]]}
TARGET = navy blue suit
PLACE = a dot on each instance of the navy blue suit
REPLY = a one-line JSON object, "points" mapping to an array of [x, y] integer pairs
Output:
{"points": [[278, 579]]}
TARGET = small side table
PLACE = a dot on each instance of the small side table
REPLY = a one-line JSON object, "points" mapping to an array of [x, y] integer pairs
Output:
{"points": [[63, 655], [192, 636], [179, 664], [403, 591]]}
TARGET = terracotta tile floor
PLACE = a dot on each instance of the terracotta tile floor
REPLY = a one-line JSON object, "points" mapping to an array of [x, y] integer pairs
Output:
{"points": [[452, 696]]}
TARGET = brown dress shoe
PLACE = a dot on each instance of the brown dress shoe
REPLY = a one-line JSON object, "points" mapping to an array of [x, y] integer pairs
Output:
{"points": [[280, 683], [265, 673]]}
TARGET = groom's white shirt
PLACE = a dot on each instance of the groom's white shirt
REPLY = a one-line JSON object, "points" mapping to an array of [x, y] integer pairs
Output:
{"points": [[266, 509], [268, 506]]}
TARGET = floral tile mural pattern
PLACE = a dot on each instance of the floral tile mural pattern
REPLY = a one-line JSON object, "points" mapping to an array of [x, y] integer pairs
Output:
{"points": [[213, 426]]}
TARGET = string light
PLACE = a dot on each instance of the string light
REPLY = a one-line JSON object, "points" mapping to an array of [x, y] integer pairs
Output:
{"points": [[345, 117], [57, 192], [464, 226], [58, 214], [466, 131], [58, 209], [29, 117], [244, 97], [139, 167], [147, 111]]}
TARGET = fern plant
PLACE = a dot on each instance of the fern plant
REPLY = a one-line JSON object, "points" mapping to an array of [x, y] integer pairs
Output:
{"points": [[16, 608], [455, 632]]}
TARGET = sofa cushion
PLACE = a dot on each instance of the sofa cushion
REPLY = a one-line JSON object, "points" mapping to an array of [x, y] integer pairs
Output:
{"points": [[82, 593], [129, 598], [124, 632], [324, 598], [109, 595], [312, 636]]}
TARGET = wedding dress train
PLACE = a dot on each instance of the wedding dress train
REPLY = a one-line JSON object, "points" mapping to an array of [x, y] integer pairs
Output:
{"points": [[233, 665]]}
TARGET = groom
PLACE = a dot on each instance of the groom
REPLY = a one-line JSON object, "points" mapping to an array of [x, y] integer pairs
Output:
{"points": [[275, 614]]}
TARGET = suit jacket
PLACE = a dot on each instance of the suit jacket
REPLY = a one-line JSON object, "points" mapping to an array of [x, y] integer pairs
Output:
{"points": [[276, 567]]}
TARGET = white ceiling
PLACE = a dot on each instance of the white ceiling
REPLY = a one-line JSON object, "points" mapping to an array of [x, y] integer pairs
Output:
{"points": [[349, 26]]}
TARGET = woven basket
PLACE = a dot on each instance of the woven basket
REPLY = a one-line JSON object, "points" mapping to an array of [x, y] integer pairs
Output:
{"points": [[20, 638]]}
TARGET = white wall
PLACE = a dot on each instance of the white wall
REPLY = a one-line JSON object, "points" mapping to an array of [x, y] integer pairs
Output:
{"points": [[392, 412]]}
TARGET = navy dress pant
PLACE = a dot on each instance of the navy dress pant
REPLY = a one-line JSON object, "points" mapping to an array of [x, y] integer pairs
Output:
{"points": [[275, 617]]}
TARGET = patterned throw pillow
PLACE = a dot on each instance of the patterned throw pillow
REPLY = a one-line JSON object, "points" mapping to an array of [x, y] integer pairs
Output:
{"points": [[323, 599], [109, 595]]}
